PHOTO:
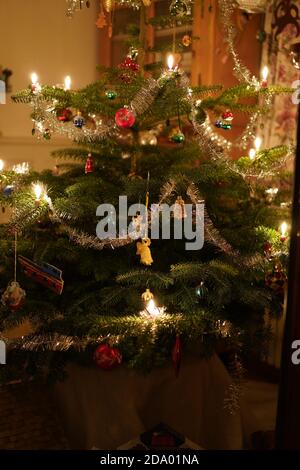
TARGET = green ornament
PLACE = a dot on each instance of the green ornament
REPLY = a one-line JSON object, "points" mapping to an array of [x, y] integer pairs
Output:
{"points": [[226, 125], [201, 291], [47, 134], [178, 138], [111, 95], [261, 36]]}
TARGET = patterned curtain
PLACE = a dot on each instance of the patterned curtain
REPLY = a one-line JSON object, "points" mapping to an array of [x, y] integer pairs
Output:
{"points": [[281, 52]]}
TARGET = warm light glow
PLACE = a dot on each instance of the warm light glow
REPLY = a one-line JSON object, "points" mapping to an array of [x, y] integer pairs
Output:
{"points": [[68, 82], [34, 78], [170, 61], [272, 191], [252, 153], [21, 168], [152, 308], [265, 73], [257, 143], [283, 229], [1, 165], [37, 189]]}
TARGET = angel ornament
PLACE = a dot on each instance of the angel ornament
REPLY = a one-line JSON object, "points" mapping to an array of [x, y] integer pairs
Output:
{"points": [[143, 250]]}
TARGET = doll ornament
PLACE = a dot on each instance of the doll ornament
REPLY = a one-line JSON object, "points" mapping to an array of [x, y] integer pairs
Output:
{"points": [[143, 250], [14, 296]]}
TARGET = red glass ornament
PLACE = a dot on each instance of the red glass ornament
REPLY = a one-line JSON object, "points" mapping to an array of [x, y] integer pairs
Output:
{"points": [[107, 358], [64, 115], [129, 64], [125, 118], [267, 247], [176, 355], [129, 68], [89, 166], [227, 115]]}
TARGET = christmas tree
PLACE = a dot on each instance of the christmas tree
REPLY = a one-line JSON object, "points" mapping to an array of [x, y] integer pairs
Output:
{"points": [[143, 132]]}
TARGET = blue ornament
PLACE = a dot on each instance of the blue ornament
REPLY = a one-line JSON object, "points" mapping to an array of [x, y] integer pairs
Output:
{"points": [[218, 124], [8, 190], [79, 121]]}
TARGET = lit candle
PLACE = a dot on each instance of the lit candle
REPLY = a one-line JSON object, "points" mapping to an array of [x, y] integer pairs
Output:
{"points": [[252, 153], [170, 62], [152, 308], [264, 74], [68, 82], [283, 230], [37, 189], [1, 165], [35, 86], [257, 143]]}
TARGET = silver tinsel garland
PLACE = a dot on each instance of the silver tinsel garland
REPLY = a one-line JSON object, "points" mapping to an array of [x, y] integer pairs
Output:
{"points": [[227, 8]]}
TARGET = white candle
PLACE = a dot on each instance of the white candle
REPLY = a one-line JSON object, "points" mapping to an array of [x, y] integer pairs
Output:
{"points": [[35, 86], [37, 189], [264, 75], [283, 230], [34, 78], [1, 165]]}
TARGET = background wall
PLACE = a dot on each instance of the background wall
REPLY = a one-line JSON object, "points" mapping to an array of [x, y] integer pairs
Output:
{"points": [[36, 35]]}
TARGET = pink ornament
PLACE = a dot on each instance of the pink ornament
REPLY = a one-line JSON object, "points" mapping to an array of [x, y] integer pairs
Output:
{"points": [[125, 118]]}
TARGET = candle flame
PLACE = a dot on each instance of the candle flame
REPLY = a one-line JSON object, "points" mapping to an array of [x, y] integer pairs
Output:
{"points": [[34, 78], [37, 189], [252, 153], [283, 228], [68, 82], [170, 61], [257, 143], [265, 73], [152, 308]]}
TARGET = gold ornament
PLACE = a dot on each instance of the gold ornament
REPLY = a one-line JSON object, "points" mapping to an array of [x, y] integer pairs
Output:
{"points": [[147, 295], [143, 250], [148, 137], [186, 40], [101, 21], [108, 5], [147, 3]]}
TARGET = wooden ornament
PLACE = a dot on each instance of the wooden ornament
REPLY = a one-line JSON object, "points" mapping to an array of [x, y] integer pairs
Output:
{"points": [[144, 251]]}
